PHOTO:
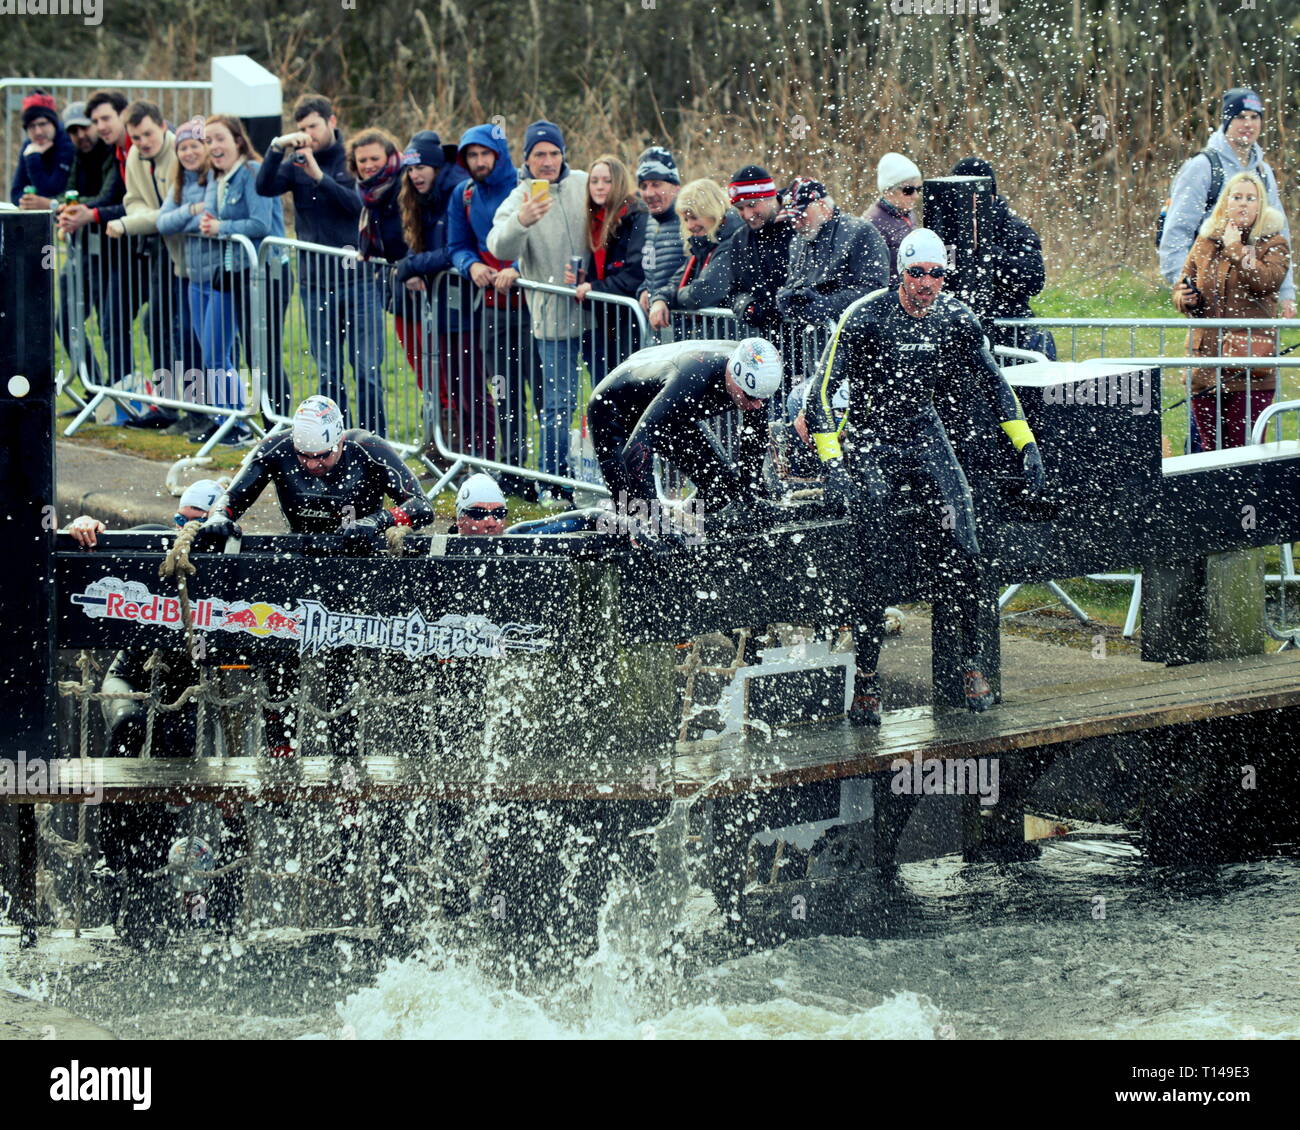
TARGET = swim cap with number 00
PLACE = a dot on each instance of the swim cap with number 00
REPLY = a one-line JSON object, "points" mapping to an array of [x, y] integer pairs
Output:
{"points": [[756, 367]]}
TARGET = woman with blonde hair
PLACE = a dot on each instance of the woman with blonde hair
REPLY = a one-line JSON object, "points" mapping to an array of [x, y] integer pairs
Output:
{"points": [[708, 221], [1234, 270]]}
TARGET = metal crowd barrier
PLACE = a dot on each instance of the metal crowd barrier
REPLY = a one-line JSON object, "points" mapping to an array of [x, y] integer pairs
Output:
{"points": [[1096, 337], [179, 101], [142, 308]]}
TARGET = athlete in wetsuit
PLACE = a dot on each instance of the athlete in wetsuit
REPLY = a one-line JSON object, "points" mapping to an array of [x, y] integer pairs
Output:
{"points": [[328, 481], [895, 348], [657, 402]]}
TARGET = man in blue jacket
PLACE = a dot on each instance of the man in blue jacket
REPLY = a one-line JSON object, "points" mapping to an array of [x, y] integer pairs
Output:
{"points": [[340, 304], [499, 319], [46, 159]]}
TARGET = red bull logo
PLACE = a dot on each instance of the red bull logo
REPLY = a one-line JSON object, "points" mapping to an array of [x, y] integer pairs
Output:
{"points": [[260, 619]]}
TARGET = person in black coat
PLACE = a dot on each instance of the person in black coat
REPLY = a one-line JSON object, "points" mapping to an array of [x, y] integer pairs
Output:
{"points": [[617, 226], [1008, 269], [433, 183], [752, 264], [45, 162]]}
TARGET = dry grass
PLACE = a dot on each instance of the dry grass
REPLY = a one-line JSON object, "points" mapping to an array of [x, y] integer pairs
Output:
{"points": [[800, 85]]}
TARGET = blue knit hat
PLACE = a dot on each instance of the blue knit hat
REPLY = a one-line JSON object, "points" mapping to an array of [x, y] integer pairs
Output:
{"points": [[1237, 101], [542, 131], [425, 148]]}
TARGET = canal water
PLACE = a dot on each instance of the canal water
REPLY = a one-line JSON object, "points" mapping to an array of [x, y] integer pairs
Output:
{"points": [[1089, 941]]}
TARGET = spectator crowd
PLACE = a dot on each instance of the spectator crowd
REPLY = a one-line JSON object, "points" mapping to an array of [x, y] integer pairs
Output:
{"points": [[444, 235]]}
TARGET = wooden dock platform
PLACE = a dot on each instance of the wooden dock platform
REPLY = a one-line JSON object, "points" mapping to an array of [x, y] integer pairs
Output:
{"points": [[1151, 698]]}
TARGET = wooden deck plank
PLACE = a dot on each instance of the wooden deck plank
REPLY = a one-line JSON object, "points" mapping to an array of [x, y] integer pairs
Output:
{"points": [[1052, 715]]}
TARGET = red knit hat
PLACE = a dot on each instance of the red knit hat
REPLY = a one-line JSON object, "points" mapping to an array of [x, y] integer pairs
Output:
{"points": [[753, 182]]}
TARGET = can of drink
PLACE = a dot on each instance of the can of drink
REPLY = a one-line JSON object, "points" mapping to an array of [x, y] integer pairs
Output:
{"points": [[30, 190], [578, 264]]}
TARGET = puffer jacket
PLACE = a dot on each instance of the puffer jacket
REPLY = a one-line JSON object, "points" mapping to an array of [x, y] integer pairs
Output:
{"points": [[696, 287], [543, 250], [664, 254], [1241, 281]]}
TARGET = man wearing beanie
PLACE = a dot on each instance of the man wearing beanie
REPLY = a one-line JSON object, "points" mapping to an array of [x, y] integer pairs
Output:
{"points": [[1232, 148], [46, 160], [751, 266], [659, 182], [834, 258], [543, 231], [898, 181], [897, 349]]}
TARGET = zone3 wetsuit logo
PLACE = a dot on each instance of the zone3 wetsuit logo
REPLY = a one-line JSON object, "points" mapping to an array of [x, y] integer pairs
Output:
{"points": [[314, 626]]}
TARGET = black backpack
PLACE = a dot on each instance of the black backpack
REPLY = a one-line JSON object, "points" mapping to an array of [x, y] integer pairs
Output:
{"points": [[1211, 197]]}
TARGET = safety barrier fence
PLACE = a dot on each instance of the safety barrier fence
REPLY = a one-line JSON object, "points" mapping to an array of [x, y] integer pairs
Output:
{"points": [[179, 101], [161, 339], [1164, 345]]}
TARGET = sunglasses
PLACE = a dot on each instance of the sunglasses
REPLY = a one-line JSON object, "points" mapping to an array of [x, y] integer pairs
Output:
{"points": [[921, 272], [314, 457], [478, 513], [909, 189]]}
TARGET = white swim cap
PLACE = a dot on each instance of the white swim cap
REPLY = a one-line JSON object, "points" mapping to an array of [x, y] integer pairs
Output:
{"points": [[317, 425], [756, 367], [202, 494], [479, 489], [921, 246]]}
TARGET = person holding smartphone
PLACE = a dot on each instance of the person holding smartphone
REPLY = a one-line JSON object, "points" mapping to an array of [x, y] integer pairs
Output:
{"points": [[543, 227]]}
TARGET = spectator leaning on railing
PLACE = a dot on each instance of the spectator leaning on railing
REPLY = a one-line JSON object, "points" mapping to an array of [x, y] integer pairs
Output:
{"points": [[338, 304], [659, 183], [151, 173], [89, 167], [1234, 148], [112, 276], [231, 206], [1235, 267], [181, 213], [752, 264], [501, 325], [543, 226], [835, 258], [432, 186], [618, 222], [898, 181], [708, 221], [45, 163]]}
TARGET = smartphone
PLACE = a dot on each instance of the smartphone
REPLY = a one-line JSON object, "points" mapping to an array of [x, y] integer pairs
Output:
{"points": [[539, 189]]}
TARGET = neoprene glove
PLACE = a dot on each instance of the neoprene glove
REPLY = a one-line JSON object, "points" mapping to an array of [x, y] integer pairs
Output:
{"points": [[363, 537], [839, 491], [215, 530], [1032, 465]]}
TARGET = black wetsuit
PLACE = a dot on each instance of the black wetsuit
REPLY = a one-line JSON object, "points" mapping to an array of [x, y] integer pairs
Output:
{"points": [[352, 490], [892, 441], [656, 403]]}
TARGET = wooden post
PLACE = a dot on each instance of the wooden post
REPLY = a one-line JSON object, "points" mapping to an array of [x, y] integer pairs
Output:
{"points": [[1203, 608]]}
